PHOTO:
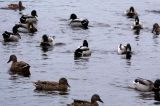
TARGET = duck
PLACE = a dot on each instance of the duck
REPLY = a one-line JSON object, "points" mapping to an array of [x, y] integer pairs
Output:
{"points": [[145, 85], [130, 13], [76, 22], [137, 26], [18, 6], [125, 49], [156, 29], [26, 28], [47, 40], [11, 36], [19, 67], [30, 18], [62, 85], [83, 50], [93, 101]]}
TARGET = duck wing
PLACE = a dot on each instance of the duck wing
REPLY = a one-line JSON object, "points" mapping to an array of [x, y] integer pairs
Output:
{"points": [[22, 64], [144, 81], [81, 101], [46, 85]]}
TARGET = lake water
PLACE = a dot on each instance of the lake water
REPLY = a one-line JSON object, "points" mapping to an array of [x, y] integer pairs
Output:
{"points": [[104, 72]]}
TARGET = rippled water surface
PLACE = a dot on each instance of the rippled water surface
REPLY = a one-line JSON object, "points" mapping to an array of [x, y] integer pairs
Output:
{"points": [[104, 72]]}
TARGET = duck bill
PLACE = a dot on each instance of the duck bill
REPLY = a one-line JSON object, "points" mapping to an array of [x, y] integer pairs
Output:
{"points": [[101, 101], [68, 85], [9, 60]]}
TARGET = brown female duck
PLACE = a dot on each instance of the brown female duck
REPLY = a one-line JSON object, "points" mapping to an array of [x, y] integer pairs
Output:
{"points": [[93, 102], [62, 85], [18, 6], [19, 67], [156, 29]]}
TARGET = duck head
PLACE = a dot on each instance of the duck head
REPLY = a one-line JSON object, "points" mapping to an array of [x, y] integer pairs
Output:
{"points": [[128, 47], [131, 9], [15, 29], [155, 26], [136, 19], [85, 43], [157, 84], [45, 38], [63, 81], [34, 13], [6, 35], [12, 58], [73, 16], [20, 5], [95, 98]]}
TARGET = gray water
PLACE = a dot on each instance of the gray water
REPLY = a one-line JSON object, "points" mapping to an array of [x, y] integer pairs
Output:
{"points": [[104, 72]]}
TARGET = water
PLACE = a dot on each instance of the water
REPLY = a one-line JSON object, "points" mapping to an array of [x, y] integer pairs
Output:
{"points": [[105, 72]]}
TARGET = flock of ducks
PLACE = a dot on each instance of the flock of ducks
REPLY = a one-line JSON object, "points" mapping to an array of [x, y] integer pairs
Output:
{"points": [[27, 25]]}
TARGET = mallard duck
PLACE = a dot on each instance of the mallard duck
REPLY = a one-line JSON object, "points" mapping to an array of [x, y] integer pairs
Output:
{"points": [[31, 18], [76, 22], [131, 12], [122, 49], [26, 28], [145, 85], [47, 40], [83, 50], [19, 67], [62, 85], [11, 37], [125, 50], [18, 6], [156, 29], [137, 26], [93, 101]]}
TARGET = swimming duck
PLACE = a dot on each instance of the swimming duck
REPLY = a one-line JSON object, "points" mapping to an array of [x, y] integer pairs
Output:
{"points": [[156, 29], [18, 6], [145, 85], [11, 37], [131, 12], [76, 22], [125, 50], [26, 28], [137, 26], [93, 101], [31, 18], [47, 40], [19, 67], [83, 50], [62, 85]]}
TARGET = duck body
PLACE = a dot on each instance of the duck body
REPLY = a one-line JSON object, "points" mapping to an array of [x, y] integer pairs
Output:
{"points": [[83, 50], [145, 85], [26, 28], [156, 29], [11, 37], [19, 67], [76, 22], [62, 85], [93, 101], [30, 18]]}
